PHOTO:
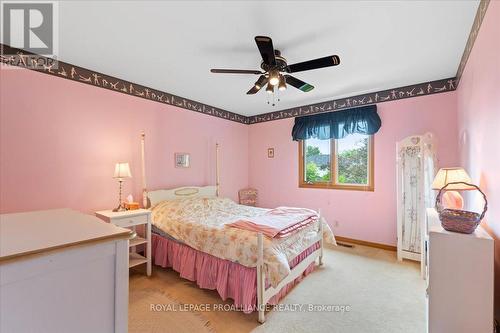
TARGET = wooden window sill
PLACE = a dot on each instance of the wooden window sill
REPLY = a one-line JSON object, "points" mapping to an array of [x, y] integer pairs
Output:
{"points": [[364, 188]]}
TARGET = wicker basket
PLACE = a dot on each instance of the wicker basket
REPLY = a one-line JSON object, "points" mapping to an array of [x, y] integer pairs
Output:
{"points": [[459, 220]]}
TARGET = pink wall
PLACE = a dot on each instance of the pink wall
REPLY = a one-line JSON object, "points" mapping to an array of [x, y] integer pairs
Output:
{"points": [[59, 141], [478, 97], [369, 216]]}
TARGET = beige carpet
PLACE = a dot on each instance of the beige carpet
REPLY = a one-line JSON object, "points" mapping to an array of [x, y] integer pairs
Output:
{"points": [[383, 295], [166, 315]]}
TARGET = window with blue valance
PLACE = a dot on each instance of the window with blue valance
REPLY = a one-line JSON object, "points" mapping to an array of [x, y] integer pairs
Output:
{"points": [[337, 124]]}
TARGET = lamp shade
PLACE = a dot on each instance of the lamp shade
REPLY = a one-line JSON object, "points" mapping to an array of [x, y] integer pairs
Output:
{"points": [[451, 175], [122, 170]]}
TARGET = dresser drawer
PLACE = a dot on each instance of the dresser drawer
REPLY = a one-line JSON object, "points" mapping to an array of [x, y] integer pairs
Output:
{"points": [[130, 221]]}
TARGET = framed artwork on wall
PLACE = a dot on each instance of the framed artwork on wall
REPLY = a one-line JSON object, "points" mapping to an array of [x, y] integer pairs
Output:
{"points": [[181, 160], [270, 152]]}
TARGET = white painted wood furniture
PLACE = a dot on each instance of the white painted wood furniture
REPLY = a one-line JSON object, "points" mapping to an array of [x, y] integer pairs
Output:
{"points": [[459, 279], [132, 219], [416, 159], [62, 271]]}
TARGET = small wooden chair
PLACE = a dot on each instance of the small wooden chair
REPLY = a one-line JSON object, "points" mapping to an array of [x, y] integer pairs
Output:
{"points": [[248, 197]]}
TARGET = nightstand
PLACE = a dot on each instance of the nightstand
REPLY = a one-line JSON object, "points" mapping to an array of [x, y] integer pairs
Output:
{"points": [[132, 219]]}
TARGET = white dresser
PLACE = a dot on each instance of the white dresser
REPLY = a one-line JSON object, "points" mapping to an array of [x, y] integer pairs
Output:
{"points": [[459, 272], [62, 271]]}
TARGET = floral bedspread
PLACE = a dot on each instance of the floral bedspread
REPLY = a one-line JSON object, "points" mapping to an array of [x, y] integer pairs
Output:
{"points": [[200, 223]]}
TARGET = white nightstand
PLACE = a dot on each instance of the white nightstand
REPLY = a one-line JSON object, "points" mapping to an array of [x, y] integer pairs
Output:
{"points": [[131, 219]]}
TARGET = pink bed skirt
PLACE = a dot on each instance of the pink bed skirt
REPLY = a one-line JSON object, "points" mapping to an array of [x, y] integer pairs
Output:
{"points": [[231, 280]]}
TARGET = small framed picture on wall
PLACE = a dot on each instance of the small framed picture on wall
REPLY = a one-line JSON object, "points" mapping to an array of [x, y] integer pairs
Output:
{"points": [[270, 152], [181, 160]]}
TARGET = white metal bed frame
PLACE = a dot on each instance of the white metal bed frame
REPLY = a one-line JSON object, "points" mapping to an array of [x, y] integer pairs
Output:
{"points": [[263, 294]]}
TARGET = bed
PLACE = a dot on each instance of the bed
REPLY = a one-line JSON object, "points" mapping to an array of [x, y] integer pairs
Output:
{"points": [[194, 235]]}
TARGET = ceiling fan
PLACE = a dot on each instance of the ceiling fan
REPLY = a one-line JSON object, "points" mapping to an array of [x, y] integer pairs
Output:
{"points": [[275, 71]]}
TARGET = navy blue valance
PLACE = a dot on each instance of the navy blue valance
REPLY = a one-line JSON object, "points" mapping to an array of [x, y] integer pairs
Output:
{"points": [[337, 124]]}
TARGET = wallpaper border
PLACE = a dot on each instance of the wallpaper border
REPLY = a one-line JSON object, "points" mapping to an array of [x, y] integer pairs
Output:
{"points": [[414, 90], [476, 25], [21, 58]]}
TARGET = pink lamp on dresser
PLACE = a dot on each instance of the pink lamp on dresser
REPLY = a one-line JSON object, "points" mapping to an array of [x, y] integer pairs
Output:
{"points": [[452, 198]]}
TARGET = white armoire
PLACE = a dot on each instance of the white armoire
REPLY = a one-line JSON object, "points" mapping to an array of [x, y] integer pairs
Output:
{"points": [[416, 167]]}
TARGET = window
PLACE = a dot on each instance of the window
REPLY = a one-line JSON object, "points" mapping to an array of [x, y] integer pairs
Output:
{"points": [[337, 163]]}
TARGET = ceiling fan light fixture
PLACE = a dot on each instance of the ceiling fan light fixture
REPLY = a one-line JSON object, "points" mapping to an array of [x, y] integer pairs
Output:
{"points": [[274, 81], [275, 72], [269, 88], [274, 77], [282, 84]]}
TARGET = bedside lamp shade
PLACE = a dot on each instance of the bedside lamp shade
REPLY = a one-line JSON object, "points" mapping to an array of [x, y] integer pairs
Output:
{"points": [[451, 175], [122, 170]]}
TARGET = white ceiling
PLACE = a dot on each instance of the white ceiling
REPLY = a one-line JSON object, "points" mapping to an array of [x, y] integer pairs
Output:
{"points": [[171, 45]]}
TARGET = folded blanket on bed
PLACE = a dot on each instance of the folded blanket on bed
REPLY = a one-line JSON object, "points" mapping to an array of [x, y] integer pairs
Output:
{"points": [[277, 222]]}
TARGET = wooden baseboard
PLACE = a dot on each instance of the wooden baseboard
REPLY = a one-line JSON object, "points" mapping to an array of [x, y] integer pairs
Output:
{"points": [[365, 243]]}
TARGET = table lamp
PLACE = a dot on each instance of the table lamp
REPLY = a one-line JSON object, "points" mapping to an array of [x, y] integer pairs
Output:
{"points": [[451, 198], [122, 171]]}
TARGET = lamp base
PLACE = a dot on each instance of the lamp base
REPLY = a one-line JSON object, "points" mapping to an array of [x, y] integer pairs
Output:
{"points": [[453, 200], [119, 209]]}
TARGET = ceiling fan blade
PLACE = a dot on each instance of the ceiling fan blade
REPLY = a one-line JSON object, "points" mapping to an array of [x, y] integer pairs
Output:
{"points": [[299, 84], [235, 71], [253, 91], [266, 49], [333, 60], [261, 82]]}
